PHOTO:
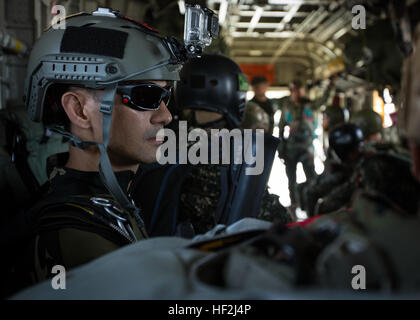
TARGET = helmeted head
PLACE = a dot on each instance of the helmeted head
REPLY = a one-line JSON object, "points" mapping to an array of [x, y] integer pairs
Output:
{"points": [[297, 90], [108, 77], [370, 122], [213, 84], [332, 117], [259, 86], [103, 64], [255, 117], [345, 142]]}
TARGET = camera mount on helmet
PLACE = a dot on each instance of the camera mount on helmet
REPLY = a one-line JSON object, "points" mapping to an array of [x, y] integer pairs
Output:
{"points": [[201, 26]]}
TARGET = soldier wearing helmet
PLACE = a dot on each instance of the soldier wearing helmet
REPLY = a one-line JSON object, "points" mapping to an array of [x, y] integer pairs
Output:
{"points": [[260, 85], [378, 235], [298, 115], [367, 166], [211, 94], [88, 84], [198, 100], [332, 117]]}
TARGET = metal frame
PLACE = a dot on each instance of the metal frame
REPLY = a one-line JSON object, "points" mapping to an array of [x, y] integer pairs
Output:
{"points": [[276, 31]]}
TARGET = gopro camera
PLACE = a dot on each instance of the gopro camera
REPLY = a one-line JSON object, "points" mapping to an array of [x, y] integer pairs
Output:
{"points": [[201, 26]]}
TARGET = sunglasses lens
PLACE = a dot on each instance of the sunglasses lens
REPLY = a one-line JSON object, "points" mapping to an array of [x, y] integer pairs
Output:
{"points": [[149, 96], [167, 96]]}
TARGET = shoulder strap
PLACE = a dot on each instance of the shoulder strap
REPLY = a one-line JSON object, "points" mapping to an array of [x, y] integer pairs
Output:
{"points": [[25, 224]]}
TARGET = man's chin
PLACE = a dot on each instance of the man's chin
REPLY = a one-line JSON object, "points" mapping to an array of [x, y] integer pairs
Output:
{"points": [[149, 156], [148, 160]]}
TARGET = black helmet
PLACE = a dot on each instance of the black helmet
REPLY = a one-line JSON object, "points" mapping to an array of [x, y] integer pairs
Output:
{"points": [[369, 121], [345, 139], [213, 83]]}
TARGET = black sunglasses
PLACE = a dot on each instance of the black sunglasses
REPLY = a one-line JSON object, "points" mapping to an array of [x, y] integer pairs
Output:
{"points": [[144, 96]]}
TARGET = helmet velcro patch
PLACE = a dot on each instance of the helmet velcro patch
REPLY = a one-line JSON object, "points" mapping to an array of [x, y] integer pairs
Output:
{"points": [[243, 84], [92, 40]]}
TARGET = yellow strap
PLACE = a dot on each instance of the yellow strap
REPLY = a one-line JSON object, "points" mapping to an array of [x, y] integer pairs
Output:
{"points": [[18, 46], [212, 245], [219, 243], [80, 207], [65, 18]]}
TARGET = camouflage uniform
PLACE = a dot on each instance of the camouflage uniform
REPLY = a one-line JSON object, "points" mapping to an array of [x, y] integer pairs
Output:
{"points": [[377, 169], [334, 175], [256, 118], [375, 233], [298, 146], [200, 197], [269, 106], [271, 210]]}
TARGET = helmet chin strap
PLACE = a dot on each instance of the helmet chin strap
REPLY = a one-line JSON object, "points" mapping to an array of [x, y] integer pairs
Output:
{"points": [[215, 124], [105, 168], [221, 123]]}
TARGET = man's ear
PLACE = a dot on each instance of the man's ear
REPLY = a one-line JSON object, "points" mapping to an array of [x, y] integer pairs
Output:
{"points": [[74, 104]]}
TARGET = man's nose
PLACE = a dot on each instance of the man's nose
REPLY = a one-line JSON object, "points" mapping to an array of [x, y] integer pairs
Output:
{"points": [[162, 115]]}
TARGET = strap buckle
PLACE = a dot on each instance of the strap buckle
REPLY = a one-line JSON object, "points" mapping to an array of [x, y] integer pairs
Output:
{"points": [[109, 207]]}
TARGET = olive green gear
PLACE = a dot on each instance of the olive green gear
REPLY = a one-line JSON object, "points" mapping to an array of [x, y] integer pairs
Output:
{"points": [[255, 117], [335, 116], [369, 121]]}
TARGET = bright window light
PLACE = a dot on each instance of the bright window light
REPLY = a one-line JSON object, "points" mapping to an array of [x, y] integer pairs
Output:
{"points": [[181, 5], [387, 96]]}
